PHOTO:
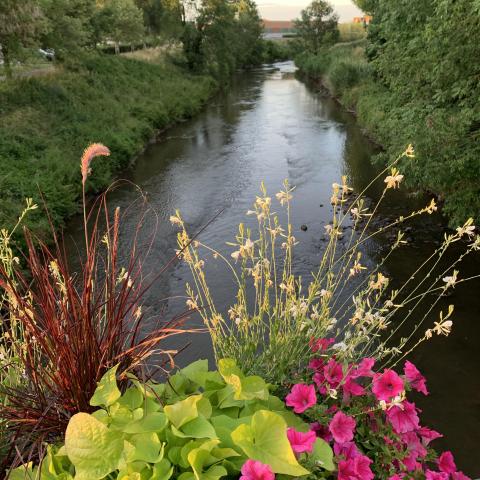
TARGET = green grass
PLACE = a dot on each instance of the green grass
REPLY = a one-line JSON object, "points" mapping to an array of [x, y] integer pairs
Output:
{"points": [[46, 122]]}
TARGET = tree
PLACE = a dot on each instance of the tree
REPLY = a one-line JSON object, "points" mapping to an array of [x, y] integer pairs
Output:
{"points": [[21, 24], [70, 25], [119, 21], [317, 26]]}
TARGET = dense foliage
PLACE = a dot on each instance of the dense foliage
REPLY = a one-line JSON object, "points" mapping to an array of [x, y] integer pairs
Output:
{"points": [[202, 425], [46, 123], [421, 86]]}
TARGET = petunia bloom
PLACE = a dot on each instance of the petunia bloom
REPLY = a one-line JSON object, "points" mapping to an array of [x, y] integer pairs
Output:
{"points": [[347, 450], [446, 464], [459, 476], [322, 431], [301, 442], [253, 470], [430, 475], [342, 427], [301, 398], [357, 468], [320, 344], [333, 372], [364, 368], [427, 435], [403, 418], [387, 385], [415, 378]]}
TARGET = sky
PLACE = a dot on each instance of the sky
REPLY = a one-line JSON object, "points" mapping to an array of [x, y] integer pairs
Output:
{"points": [[290, 9]]}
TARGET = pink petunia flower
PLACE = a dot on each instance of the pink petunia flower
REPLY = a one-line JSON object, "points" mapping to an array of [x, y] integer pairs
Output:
{"points": [[459, 476], [302, 397], [316, 364], [414, 445], [352, 388], [364, 368], [397, 476], [403, 418], [427, 435], [301, 442], [430, 475], [333, 372], [320, 344], [347, 450], [322, 431], [415, 378], [446, 464], [410, 462], [357, 468], [342, 427], [387, 385], [252, 470]]}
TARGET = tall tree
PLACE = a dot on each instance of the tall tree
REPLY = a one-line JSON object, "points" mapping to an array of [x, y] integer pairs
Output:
{"points": [[317, 26], [21, 24]]}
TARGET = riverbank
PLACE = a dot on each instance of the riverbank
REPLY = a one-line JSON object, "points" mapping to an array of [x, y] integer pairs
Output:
{"points": [[442, 138], [46, 122]]}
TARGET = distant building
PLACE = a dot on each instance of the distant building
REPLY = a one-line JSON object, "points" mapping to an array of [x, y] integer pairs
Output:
{"points": [[365, 20], [278, 28]]}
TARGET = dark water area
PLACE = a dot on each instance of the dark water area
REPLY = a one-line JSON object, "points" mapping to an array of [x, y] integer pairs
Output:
{"points": [[270, 126]]}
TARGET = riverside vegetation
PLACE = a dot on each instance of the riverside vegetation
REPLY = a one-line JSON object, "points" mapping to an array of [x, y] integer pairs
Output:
{"points": [[415, 79], [318, 395]]}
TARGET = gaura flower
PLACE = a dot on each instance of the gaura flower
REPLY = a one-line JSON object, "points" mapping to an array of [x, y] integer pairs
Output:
{"points": [[380, 283], [301, 397], [253, 470], [451, 280], [387, 385], [403, 418], [446, 464], [393, 180], [301, 442], [357, 468], [468, 229], [342, 427], [415, 378], [410, 152]]}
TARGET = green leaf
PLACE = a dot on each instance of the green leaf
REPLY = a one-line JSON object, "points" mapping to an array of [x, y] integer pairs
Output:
{"points": [[199, 427], [147, 447], [184, 411], [162, 470], [198, 459], [132, 399], [93, 449], [265, 440], [322, 454], [107, 392], [153, 422]]}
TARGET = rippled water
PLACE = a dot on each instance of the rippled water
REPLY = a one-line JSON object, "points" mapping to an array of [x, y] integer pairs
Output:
{"points": [[270, 126]]}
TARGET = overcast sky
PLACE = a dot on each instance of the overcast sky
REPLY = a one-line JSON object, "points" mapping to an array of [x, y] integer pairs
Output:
{"points": [[289, 9]]}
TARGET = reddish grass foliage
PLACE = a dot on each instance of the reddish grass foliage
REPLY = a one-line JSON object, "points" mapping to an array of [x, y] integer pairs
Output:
{"points": [[76, 327]]}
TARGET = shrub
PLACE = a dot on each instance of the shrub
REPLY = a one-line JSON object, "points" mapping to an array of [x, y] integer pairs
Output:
{"points": [[199, 425]]}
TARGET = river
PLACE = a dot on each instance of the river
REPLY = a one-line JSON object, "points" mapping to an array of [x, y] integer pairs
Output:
{"points": [[270, 126]]}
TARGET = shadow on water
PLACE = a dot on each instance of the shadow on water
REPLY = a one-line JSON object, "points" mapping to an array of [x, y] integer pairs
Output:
{"points": [[269, 126]]}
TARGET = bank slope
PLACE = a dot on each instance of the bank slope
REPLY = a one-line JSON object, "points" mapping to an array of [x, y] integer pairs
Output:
{"points": [[46, 122]]}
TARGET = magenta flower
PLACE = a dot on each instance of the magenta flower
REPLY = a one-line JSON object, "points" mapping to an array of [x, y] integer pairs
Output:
{"points": [[351, 388], [387, 385], [415, 378], [347, 450], [397, 476], [252, 470], [357, 468], [322, 431], [414, 445], [429, 475], [301, 442], [446, 464], [364, 368], [459, 476], [316, 364], [320, 344], [342, 427], [403, 418], [427, 435], [301, 398], [333, 372], [410, 462]]}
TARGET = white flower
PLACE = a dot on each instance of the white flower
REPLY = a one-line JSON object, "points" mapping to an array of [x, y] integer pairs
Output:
{"points": [[468, 230], [175, 220], [235, 255], [443, 328], [451, 280], [393, 180]]}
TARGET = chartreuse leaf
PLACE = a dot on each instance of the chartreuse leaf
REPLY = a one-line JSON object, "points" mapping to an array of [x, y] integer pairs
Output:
{"points": [[245, 388], [199, 427], [199, 460], [147, 447], [93, 449], [322, 454], [107, 392], [162, 470], [184, 411], [265, 440], [131, 399], [153, 422]]}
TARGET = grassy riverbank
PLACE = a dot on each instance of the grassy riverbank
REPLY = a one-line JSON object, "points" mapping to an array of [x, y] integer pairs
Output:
{"points": [[46, 122], [446, 147]]}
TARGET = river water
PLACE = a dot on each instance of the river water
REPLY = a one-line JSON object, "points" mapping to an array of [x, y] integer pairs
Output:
{"points": [[270, 126]]}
